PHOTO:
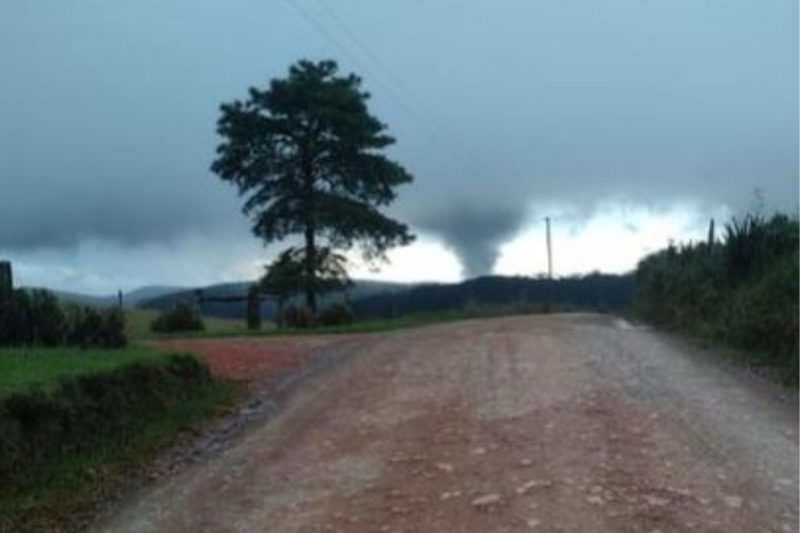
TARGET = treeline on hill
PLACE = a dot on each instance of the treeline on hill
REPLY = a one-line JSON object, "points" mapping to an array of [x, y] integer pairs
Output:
{"points": [[38, 318], [593, 291], [220, 299], [742, 291], [385, 300]]}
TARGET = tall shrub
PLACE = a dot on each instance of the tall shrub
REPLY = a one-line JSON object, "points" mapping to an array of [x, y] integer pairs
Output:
{"points": [[742, 291]]}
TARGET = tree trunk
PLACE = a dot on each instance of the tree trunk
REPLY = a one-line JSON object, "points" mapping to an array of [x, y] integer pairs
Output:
{"points": [[253, 308], [310, 229], [311, 271], [279, 317]]}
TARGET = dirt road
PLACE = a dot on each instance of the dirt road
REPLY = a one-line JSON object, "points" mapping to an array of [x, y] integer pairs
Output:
{"points": [[560, 423]]}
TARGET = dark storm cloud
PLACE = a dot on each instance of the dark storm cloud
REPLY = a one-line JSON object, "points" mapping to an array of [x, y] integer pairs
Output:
{"points": [[47, 218], [107, 110]]}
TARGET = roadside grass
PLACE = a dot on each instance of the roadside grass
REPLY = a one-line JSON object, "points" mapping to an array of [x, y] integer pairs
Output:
{"points": [[414, 320], [138, 322], [63, 481], [27, 367]]}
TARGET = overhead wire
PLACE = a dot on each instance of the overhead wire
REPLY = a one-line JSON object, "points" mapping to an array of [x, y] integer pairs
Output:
{"points": [[441, 132], [395, 89], [320, 27]]}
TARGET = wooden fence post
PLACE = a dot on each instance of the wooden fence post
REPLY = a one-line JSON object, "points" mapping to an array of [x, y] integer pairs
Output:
{"points": [[6, 281], [253, 308]]}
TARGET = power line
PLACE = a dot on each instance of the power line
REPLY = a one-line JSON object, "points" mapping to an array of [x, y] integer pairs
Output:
{"points": [[359, 43], [320, 27], [439, 131], [388, 81]]}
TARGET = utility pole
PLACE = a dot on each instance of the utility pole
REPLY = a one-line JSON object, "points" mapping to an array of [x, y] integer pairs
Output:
{"points": [[549, 250], [711, 233]]}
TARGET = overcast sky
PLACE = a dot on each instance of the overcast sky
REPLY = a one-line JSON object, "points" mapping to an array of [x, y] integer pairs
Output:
{"points": [[629, 122]]}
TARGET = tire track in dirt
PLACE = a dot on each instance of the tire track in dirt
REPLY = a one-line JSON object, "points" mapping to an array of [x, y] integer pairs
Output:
{"points": [[542, 423]]}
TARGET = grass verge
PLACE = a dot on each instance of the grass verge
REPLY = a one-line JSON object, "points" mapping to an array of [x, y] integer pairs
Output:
{"points": [[26, 368], [413, 320], [221, 328], [68, 442]]}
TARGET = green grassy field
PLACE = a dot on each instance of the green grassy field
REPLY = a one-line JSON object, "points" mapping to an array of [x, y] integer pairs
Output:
{"points": [[138, 323], [413, 320], [24, 368]]}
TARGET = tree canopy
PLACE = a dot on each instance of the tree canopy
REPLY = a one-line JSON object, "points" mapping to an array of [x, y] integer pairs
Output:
{"points": [[306, 154], [285, 276]]}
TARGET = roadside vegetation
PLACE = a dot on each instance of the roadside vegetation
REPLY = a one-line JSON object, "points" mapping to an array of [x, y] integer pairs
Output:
{"points": [[37, 317], [421, 318], [741, 291], [373, 324], [182, 317], [77, 424], [139, 326], [82, 411]]}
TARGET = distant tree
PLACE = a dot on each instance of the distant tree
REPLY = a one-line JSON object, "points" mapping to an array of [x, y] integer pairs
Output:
{"points": [[286, 276], [47, 321], [306, 154], [181, 317]]}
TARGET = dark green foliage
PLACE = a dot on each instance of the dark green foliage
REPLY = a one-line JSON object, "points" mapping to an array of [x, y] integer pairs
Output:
{"points": [[35, 425], [600, 292], [282, 280], [46, 319], [37, 318], [299, 317], [286, 276], [336, 315], [306, 153], [742, 292], [753, 243], [6, 281], [92, 327], [113, 332], [181, 317], [376, 300]]}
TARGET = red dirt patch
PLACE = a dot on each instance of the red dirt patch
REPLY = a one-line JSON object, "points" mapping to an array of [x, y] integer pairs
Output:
{"points": [[247, 359]]}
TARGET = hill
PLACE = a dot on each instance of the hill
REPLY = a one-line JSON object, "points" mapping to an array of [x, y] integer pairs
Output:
{"points": [[130, 299], [371, 299], [361, 289], [592, 291]]}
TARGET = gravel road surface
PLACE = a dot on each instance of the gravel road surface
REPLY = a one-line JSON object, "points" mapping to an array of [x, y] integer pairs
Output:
{"points": [[555, 423]]}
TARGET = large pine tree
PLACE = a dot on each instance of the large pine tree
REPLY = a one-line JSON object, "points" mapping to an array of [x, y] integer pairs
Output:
{"points": [[306, 153]]}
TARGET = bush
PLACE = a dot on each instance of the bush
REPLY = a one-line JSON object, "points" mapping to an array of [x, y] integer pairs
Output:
{"points": [[37, 318], [336, 315], [182, 317], [88, 327], [112, 329], [742, 292], [46, 319], [764, 314], [15, 323], [299, 317]]}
